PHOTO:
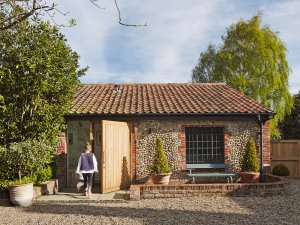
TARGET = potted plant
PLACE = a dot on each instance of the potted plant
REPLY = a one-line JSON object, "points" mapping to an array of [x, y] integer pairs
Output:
{"points": [[25, 158], [249, 170], [161, 170]]}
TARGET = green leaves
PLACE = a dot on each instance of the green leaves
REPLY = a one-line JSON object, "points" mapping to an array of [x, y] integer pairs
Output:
{"points": [[251, 59], [72, 22], [290, 126], [38, 76], [23, 159]]}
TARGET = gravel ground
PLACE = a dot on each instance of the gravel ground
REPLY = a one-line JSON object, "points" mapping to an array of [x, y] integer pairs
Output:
{"points": [[283, 209]]}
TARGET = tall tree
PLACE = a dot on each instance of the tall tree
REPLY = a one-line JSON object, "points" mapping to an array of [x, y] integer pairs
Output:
{"points": [[290, 126], [251, 59], [38, 76], [203, 72]]}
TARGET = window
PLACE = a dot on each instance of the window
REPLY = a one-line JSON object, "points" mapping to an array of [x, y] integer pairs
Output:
{"points": [[204, 145]]}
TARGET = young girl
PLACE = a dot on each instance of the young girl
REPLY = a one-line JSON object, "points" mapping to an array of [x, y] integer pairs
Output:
{"points": [[87, 165]]}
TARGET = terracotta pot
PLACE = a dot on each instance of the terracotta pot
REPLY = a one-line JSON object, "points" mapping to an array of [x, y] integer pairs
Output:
{"points": [[249, 177], [161, 178], [21, 195]]}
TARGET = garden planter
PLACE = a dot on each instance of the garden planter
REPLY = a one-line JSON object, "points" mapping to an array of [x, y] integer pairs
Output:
{"points": [[161, 178], [249, 177], [21, 195]]}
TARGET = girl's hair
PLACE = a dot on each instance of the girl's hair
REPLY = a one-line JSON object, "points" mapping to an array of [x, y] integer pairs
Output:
{"points": [[88, 146]]}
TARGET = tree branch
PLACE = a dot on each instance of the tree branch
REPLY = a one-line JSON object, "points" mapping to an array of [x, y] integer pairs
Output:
{"points": [[25, 11], [95, 4], [15, 11], [125, 24]]}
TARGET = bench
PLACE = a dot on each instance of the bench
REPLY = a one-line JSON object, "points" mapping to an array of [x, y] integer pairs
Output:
{"points": [[227, 176]]}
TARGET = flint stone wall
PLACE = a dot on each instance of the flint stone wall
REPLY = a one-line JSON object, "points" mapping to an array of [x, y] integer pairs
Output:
{"points": [[172, 132]]}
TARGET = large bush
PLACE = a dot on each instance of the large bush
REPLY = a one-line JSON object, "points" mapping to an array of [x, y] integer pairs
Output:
{"points": [[250, 161], [160, 164], [39, 73]]}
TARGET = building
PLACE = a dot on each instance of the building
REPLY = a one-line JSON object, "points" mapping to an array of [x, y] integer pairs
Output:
{"points": [[198, 123]]}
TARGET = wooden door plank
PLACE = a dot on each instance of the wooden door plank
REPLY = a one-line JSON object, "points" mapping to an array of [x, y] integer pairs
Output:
{"points": [[116, 146]]}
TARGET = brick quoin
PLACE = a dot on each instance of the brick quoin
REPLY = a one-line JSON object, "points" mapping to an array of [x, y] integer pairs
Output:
{"points": [[181, 149], [61, 161], [266, 143]]}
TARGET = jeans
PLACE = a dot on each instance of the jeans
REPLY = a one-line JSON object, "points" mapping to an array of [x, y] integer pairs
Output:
{"points": [[88, 179]]}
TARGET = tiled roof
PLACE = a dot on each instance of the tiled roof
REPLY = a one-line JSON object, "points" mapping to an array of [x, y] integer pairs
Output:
{"points": [[165, 98]]}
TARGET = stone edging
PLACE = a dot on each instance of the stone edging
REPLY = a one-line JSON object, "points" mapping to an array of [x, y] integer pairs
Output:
{"points": [[49, 187], [138, 192]]}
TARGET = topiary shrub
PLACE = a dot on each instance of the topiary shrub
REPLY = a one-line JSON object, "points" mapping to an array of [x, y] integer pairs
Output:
{"points": [[160, 164], [281, 170], [250, 161]]}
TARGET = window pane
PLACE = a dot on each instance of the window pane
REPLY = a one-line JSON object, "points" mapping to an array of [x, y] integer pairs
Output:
{"points": [[204, 145]]}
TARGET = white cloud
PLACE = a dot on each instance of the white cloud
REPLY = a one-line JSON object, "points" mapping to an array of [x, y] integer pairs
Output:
{"points": [[168, 49], [284, 16]]}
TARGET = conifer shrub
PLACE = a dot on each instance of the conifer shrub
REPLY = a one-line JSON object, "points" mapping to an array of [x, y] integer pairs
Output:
{"points": [[160, 163], [281, 170], [250, 161]]}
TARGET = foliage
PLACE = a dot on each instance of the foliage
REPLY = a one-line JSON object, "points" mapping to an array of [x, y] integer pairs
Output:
{"points": [[43, 175], [252, 60], [1, 103], [38, 77], [4, 184], [281, 170], [290, 126], [23, 159], [160, 163], [6, 170], [250, 161], [25, 180], [13, 12], [203, 72]]}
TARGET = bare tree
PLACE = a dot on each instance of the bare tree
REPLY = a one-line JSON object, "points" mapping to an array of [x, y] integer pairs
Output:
{"points": [[15, 11]]}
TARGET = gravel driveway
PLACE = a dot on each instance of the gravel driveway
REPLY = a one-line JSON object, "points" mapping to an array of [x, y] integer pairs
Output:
{"points": [[284, 209]]}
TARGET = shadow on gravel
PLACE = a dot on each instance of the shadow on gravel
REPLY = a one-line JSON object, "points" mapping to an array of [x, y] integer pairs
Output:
{"points": [[283, 209], [279, 209], [147, 215]]}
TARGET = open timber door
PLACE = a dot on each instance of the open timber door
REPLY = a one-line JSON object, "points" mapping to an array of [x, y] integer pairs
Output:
{"points": [[115, 156]]}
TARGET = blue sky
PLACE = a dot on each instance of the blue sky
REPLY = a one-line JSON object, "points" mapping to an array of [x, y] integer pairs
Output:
{"points": [[169, 47]]}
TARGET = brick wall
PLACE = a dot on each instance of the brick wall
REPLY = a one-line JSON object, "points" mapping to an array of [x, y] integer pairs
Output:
{"points": [[273, 187], [61, 162], [266, 143]]}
